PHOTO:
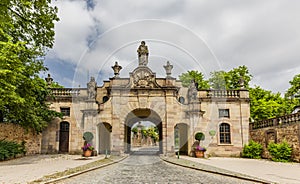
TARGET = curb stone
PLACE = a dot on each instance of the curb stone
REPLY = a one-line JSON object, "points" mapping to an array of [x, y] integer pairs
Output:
{"points": [[84, 170], [211, 169]]}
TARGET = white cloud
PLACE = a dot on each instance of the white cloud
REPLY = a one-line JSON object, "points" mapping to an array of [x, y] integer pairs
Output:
{"points": [[263, 35], [72, 31]]}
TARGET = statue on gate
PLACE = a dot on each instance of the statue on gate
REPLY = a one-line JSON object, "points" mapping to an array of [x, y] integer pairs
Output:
{"points": [[91, 87], [143, 54], [192, 91]]}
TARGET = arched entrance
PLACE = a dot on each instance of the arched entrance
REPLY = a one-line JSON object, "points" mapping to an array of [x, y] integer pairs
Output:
{"points": [[104, 138], [142, 115], [181, 138], [64, 129]]}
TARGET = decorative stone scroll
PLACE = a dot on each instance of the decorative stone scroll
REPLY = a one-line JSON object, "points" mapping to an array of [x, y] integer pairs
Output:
{"points": [[142, 77]]}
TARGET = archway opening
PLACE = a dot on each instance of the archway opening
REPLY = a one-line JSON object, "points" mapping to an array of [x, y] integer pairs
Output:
{"points": [[143, 132], [104, 138], [181, 138], [64, 129]]}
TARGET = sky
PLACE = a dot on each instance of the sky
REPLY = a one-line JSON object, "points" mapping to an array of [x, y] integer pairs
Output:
{"points": [[203, 35]]}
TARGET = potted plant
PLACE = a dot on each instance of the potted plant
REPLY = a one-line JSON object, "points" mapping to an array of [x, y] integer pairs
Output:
{"points": [[199, 151], [87, 150]]}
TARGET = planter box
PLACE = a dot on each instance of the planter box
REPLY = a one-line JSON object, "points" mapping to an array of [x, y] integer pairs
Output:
{"points": [[199, 154], [87, 153]]}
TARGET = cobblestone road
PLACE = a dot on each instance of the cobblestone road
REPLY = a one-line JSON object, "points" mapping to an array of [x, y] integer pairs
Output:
{"points": [[148, 168]]}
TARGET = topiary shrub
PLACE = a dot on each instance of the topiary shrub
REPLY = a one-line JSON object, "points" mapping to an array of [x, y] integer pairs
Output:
{"points": [[252, 150], [199, 136], [88, 136], [280, 152]]}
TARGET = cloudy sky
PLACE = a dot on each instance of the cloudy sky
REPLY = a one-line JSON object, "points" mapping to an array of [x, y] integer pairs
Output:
{"points": [[204, 35]]}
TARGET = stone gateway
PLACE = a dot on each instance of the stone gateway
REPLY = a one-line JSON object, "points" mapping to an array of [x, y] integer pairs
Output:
{"points": [[111, 111]]}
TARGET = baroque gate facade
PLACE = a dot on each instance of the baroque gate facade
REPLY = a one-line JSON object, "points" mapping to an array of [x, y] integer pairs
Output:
{"points": [[110, 111]]}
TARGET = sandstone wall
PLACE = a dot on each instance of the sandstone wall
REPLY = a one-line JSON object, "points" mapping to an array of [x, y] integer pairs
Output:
{"points": [[289, 132], [14, 132]]}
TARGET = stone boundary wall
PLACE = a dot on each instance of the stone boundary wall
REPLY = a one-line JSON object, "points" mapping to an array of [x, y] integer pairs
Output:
{"points": [[277, 134], [14, 132]]}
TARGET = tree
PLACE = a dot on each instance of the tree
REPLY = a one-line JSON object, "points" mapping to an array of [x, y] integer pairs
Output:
{"points": [[197, 76], [231, 79], [26, 32], [134, 130], [293, 93], [219, 80], [238, 74], [153, 133], [31, 22], [264, 104]]}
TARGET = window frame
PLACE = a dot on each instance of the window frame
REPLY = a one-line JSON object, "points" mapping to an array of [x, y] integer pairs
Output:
{"points": [[225, 133], [66, 111], [224, 113]]}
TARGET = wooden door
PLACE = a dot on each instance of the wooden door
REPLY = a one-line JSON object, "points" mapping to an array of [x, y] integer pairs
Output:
{"points": [[64, 137]]}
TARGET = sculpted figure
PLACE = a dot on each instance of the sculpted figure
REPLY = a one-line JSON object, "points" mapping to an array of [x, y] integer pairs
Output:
{"points": [[91, 88], [192, 91], [143, 54]]}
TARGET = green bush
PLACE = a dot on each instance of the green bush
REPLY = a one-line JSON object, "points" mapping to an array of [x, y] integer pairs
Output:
{"points": [[199, 136], [88, 136], [10, 149], [280, 152], [252, 150]]}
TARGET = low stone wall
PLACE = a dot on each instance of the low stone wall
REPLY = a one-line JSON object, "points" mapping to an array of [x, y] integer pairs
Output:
{"points": [[14, 132], [277, 134]]}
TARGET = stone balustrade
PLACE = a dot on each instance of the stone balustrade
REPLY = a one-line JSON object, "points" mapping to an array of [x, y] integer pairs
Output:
{"points": [[287, 119], [65, 92], [223, 93], [220, 93]]}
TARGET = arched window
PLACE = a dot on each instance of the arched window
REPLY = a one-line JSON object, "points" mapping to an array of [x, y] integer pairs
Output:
{"points": [[225, 133]]}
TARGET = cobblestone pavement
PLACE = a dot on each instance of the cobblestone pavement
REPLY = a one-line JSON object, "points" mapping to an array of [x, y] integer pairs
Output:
{"points": [[148, 168]]}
